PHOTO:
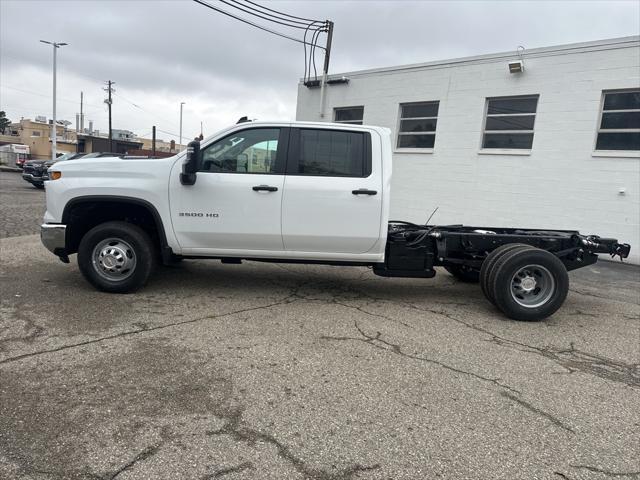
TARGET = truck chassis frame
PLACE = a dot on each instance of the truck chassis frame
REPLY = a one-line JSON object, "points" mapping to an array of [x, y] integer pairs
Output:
{"points": [[413, 250]]}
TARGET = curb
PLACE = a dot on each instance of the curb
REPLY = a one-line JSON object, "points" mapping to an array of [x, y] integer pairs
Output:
{"points": [[4, 168]]}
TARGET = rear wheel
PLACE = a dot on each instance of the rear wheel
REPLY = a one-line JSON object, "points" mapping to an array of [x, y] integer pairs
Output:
{"points": [[464, 273], [489, 262], [529, 284], [116, 257]]}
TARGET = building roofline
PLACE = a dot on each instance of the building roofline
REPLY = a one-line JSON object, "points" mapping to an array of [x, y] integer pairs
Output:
{"points": [[581, 47]]}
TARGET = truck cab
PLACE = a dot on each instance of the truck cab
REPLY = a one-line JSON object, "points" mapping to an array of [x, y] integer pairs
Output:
{"points": [[303, 191]]}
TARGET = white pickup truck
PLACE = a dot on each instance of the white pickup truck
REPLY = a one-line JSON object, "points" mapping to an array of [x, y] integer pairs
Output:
{"points": [[291, 192]]}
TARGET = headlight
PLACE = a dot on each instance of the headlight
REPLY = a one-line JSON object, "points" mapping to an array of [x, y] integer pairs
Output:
{"points": [[55, 175]]}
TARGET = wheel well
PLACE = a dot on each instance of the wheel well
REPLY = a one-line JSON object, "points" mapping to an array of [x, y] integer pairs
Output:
{"points": [[82, 215]]}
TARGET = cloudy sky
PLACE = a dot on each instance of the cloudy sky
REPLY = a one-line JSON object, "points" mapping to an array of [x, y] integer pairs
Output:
{"points": [[161, 53]]}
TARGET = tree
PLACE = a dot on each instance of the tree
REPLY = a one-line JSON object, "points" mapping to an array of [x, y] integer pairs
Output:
{"points": [[4, 122]]}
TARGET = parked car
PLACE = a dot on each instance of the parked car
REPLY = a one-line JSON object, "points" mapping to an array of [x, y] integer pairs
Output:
{"points": [[35, 171], [102, 154]]}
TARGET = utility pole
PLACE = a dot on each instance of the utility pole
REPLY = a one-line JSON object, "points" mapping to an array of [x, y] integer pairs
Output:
{"points": [[81, 114], [325, 71], [153, 141], [109, 102], [181, 105], [54, 126]]}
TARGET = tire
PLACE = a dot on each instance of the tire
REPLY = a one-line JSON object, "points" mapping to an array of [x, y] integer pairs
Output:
{"points": [[39, 186], [489, 262], [463, 273], [116, 257], [529, 284]]}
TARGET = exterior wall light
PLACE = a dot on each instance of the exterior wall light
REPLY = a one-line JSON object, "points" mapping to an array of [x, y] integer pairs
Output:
{"points": [[517, 66]]}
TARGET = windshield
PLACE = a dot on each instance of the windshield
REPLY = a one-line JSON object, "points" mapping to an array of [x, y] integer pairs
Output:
{"points": [[66, 156]]}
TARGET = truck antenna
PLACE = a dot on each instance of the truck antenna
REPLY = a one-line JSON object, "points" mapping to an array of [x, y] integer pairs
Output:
{"points": [[431, 216]]}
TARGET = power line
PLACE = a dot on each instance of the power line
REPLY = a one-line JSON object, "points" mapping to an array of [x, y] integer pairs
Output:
{"points": [[168, 133], [314, 41], [205, 4], [255, 13], [143, 109], [279, 13], [29, 92]]}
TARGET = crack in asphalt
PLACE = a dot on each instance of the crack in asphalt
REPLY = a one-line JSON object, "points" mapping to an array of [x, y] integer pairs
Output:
{"points": [[226, 471], [538, 411], [144, 328], [378, 342], [242, 433], [570, 359], [597, 295], [561, 475], [608, 472], [140, 457]]}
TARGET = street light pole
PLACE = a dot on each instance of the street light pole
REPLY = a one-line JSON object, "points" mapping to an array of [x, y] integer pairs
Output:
{"points": [[54, 129], [181, 105]]}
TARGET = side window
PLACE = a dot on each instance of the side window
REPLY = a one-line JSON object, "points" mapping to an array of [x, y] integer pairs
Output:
{"points": [[619, 127], [352, 115], [333, 153], [509, 122], [247, 151], [418, 125]]}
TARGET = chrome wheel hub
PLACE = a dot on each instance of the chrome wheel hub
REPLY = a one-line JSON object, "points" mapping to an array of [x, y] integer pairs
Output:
{"points": [[532, 286], [114, 259], [528, 284]]}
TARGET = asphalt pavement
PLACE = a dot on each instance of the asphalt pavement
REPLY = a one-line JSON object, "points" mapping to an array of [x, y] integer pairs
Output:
{"points": [[265, 371]]}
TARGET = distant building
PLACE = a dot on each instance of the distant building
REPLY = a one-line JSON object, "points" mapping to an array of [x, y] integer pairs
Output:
{"points": [[36, 134], [125, 135], [545, 138], [94, 143], [161, 145]]}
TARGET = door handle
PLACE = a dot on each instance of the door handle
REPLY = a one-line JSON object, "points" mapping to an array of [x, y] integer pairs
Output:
{"points": [[265, 188], [364, 191]]}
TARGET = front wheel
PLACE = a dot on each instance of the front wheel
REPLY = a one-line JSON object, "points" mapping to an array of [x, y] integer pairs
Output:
{"points": [[116, 257], [39, 186], [529, 284]]}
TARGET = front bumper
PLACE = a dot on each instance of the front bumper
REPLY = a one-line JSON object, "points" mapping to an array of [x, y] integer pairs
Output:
{"points": [[53, 237], [29, 177]]}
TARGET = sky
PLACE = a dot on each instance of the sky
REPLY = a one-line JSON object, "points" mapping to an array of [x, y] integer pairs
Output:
{"points": [[160, 53]]}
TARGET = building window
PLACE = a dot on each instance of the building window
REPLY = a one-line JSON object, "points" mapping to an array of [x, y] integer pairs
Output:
{"points": [[417, 127], [619, 126], [509, 122], [352, 115], [35, 133]]}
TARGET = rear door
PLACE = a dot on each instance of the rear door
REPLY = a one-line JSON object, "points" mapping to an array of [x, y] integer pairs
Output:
{"points": [[332, 200]]}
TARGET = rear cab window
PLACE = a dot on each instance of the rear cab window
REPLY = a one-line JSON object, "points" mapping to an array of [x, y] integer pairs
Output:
{"points": [[329, 153]]}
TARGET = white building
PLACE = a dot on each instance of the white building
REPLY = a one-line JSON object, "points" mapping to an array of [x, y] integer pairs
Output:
{"points": [[554, 146]]}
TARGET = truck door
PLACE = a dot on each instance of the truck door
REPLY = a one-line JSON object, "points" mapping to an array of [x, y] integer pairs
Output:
{"points": [[236, 201], [333, 191]]}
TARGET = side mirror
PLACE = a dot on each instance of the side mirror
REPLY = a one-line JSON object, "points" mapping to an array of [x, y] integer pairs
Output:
{"points": [[191, 165]]}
